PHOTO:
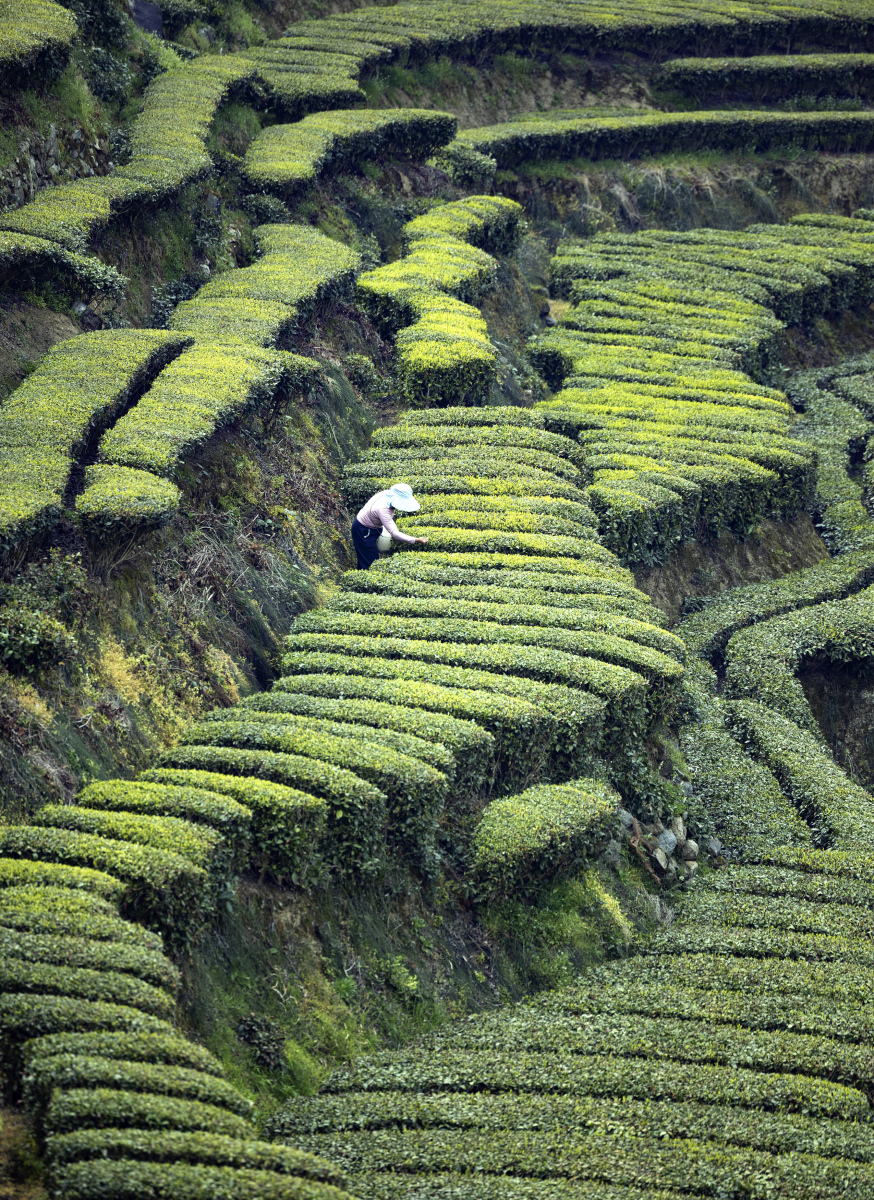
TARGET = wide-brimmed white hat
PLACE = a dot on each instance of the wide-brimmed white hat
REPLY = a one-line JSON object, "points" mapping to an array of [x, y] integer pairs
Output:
{"points": [[400, 495]]}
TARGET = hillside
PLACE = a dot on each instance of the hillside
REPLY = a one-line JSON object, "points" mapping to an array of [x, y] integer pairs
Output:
{"points": [[551, 827]]}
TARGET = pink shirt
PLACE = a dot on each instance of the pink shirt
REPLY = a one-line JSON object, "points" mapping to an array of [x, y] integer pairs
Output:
{"points": [[376, 514]]}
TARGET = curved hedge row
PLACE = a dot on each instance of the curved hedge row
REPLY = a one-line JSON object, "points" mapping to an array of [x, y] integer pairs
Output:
{"points": [[85, 996], [769, 78], [739, 1072], [79, 388], [36, 37], [762, 660], [444, 354], [655, 356], [289, 158], [646, 133]]}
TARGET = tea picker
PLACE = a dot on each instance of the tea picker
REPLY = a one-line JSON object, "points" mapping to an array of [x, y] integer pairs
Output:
{"points": [[374, 526]]}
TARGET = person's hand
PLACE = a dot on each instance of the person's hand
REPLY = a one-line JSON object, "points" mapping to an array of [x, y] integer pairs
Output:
{"points": [[422, 541]]}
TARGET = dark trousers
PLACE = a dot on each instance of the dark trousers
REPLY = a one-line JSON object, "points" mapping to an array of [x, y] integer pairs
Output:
{"points": [[364, 541]]}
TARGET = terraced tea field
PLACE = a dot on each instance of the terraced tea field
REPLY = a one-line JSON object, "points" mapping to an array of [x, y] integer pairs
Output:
{"points": [[503, 708]]}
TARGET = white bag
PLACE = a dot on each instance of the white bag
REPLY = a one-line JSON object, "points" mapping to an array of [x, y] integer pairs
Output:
{"points": [[384, 541]]}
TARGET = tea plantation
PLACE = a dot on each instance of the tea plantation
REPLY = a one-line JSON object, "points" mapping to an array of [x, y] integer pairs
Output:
{"points": [[619, 342]]}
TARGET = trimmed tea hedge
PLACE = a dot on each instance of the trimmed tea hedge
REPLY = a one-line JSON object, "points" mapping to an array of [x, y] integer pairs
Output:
{"points": [[36, 37], [80, 950], [197, 844], [298, 270], [17, 872], [205, 388], [355, 816], [414, 791], [167, 1048], [225, 815], [98, 1108], [471, 748], [540, 834], [770, 78], [707, 632], [287, 825], [168, 144], [763, 659], [66, 1071], [837, 809], [203, 1148], [444, 354], [163, 889], [660, 324], [647, 133], [80, 387], [534, 727], [289, 158], [128, 1179]]}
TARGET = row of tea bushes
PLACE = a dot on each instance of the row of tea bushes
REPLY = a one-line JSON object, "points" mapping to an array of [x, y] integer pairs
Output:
{"points": [[318, 67], [762, 661], [707, 632], [840, 812], [120, 1103], [767, 79], [206, 387], [742, 797], [654, 356], [297, 271], [679, 1068], [546, 832], [38, 258], [79, 388], [36, 37], [644, 133], [168, 145], [97, 385], [539, 639], [445, 356], [362, 41], [287, 159], [837, 408]]}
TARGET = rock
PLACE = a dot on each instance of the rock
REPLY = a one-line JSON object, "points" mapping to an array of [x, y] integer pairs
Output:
{"points": [[691, 868], [687, 789], [549, 321], [544, 309], [660, 859], [714, 846], [612, 853], [626, 818], [90, 320], [668, 841], [678, 828], [690, 850], [148, 17]]}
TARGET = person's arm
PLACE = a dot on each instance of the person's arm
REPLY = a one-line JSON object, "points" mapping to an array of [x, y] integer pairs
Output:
{"points": [[388, 524]]}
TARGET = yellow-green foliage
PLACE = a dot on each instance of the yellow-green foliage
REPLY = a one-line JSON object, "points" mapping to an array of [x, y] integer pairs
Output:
{"points": [[542, 833], [35, 40], [769, 78], [444, 356], [656, 355], [646, 133], [168, 143], [287, 158], [205, 388], [122, 501], [298, 269], [77, 390]]}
